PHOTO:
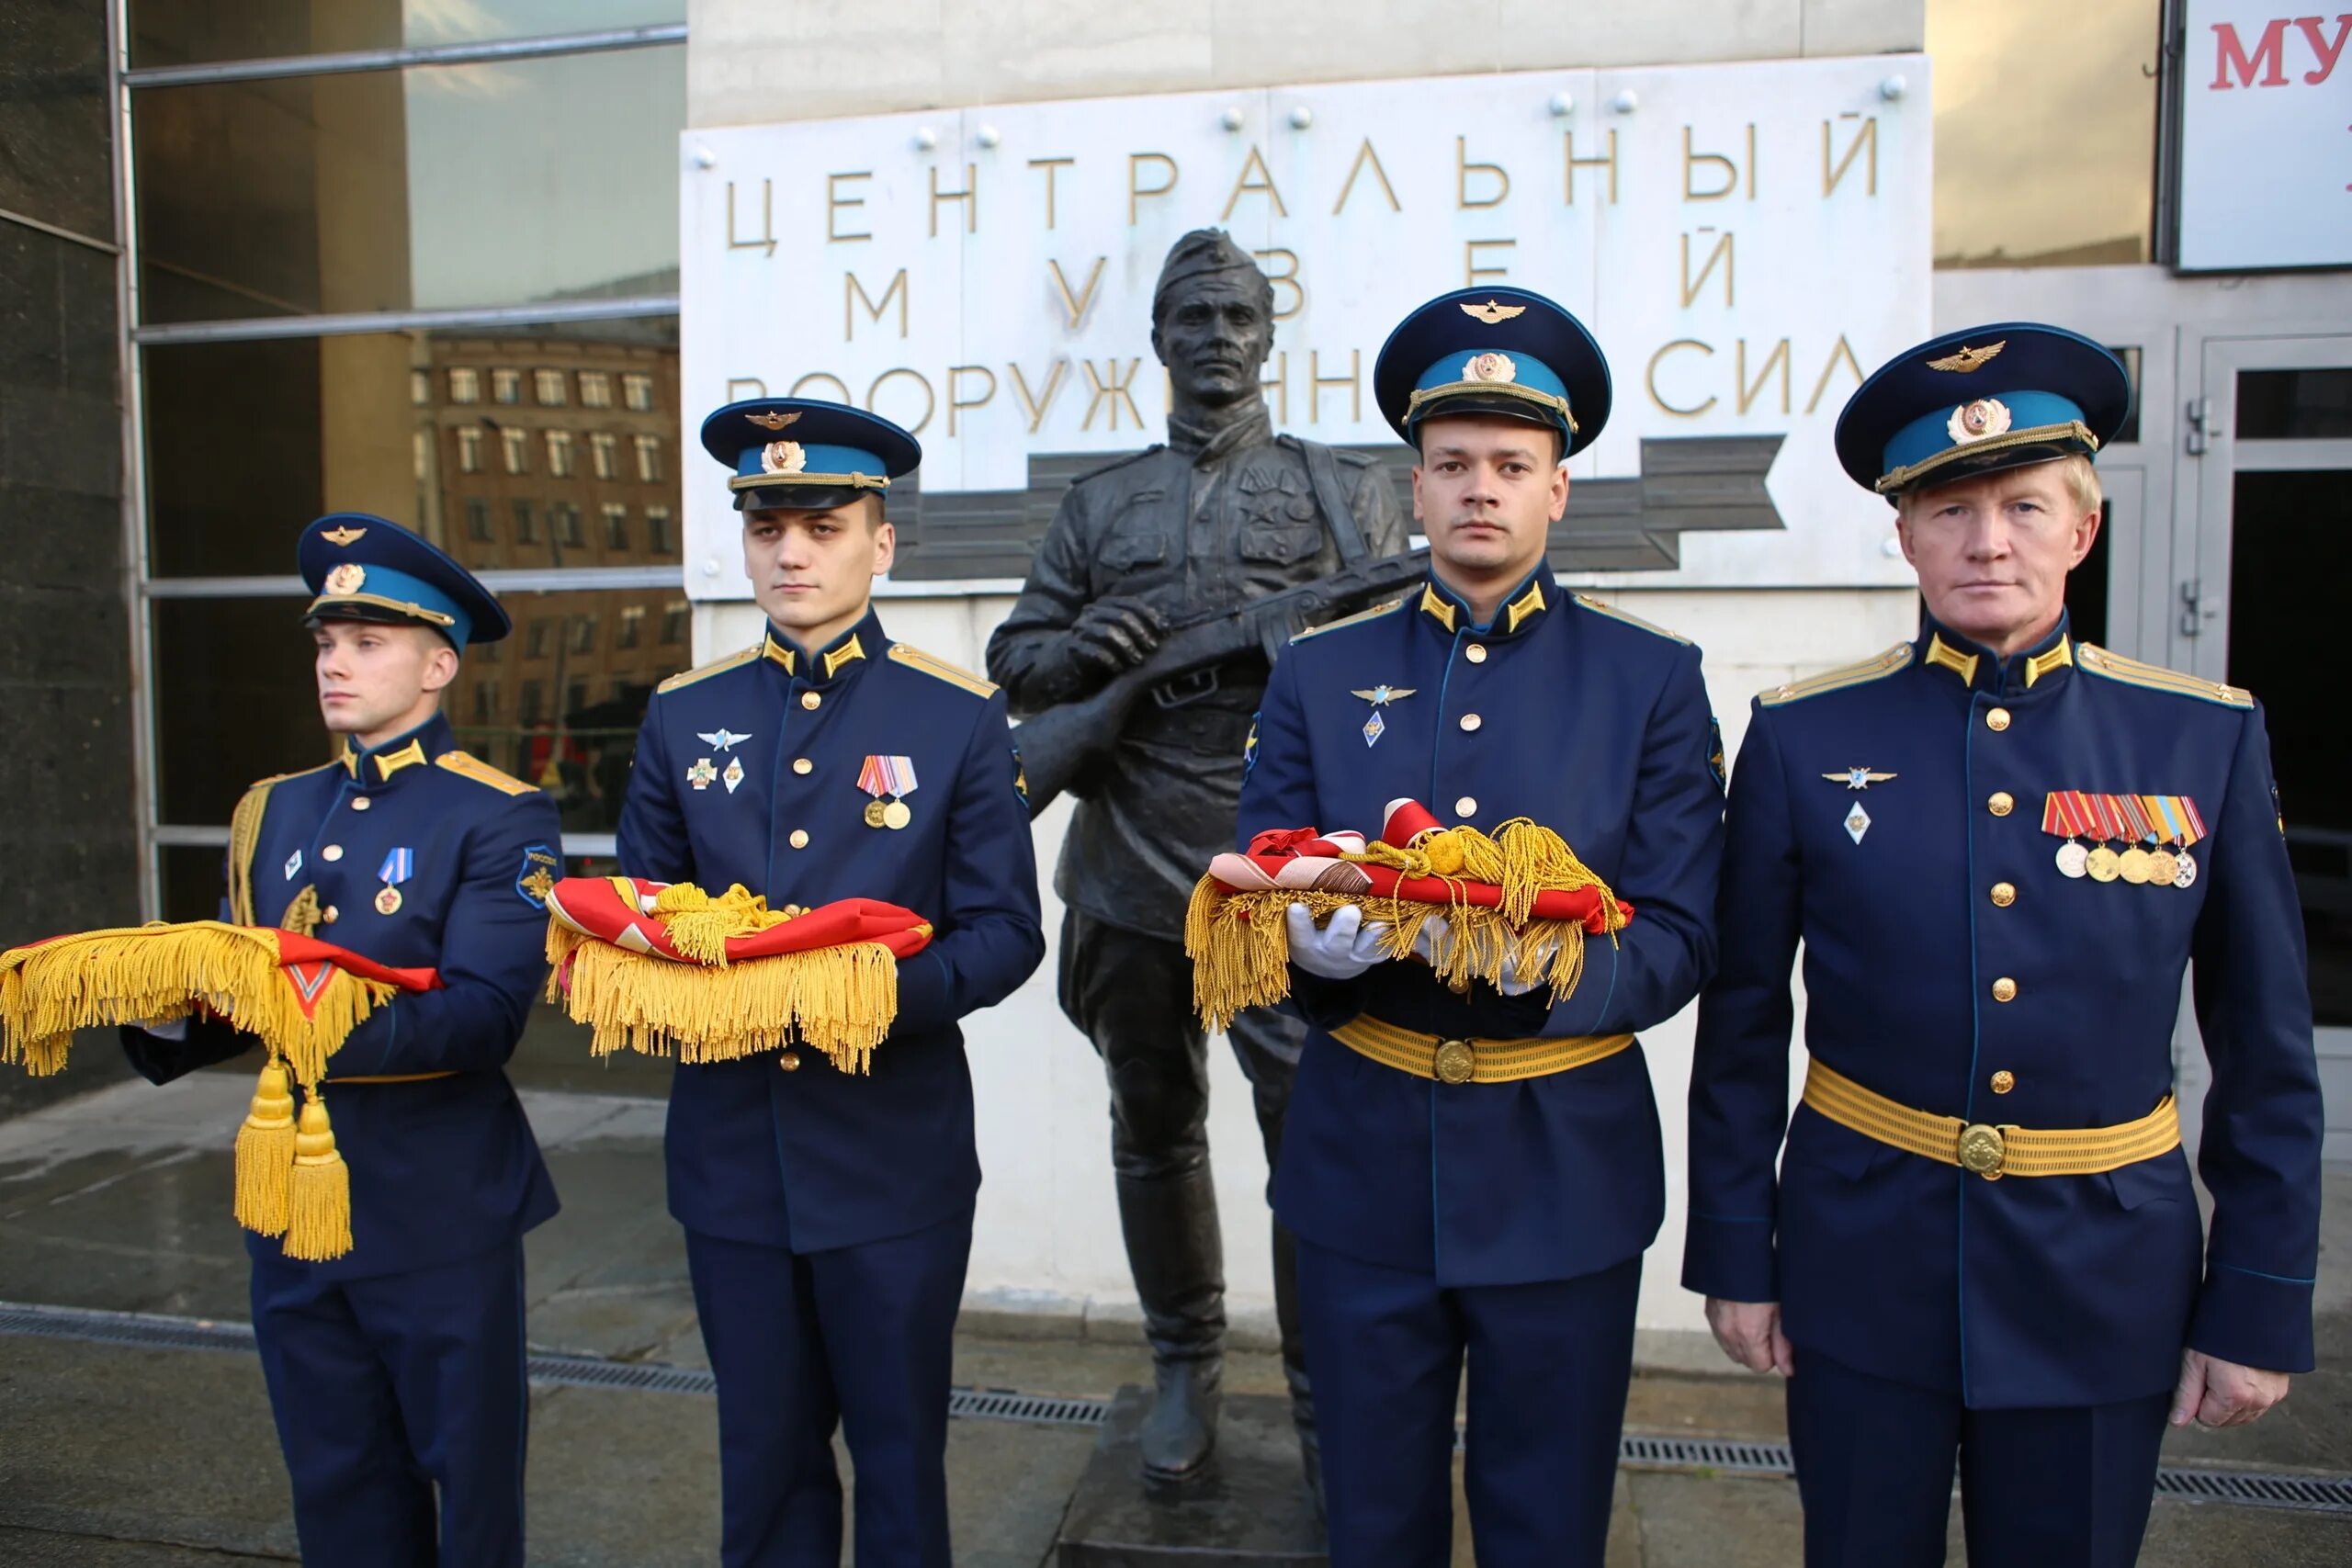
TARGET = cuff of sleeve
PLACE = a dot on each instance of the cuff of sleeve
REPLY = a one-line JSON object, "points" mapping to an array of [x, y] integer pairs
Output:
{"points": [[2256, 1320], [1732, 1259], [926, 996], [1322, 1002]]}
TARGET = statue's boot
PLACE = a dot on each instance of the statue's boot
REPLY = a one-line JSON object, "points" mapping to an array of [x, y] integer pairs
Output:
{"points": [[1176, 1252], [1302, 1393]]}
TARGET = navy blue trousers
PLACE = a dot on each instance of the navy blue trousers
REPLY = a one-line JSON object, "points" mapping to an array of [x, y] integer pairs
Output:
{"points": [[388, 1389], [859, 1337], [1549, 1365], [2058, 1488]]}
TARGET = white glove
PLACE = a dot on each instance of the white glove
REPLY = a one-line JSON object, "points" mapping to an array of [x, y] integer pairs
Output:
{"points": [[1512, 985], [176, 1029], [1341, 950]]}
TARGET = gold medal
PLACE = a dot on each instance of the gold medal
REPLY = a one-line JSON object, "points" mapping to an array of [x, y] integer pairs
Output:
{"points": [[2132, 866], [896, 815], [2104, 865], [874, 813], [2161, 868], [2072, 859], [388, 902]]}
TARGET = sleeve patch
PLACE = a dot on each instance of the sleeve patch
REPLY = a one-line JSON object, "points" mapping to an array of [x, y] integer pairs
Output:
{"points": [[1715, 753], [537, 878]]}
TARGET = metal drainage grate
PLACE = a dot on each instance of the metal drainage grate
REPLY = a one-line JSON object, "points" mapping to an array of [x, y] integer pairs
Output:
{"points": [[155, 1331]]}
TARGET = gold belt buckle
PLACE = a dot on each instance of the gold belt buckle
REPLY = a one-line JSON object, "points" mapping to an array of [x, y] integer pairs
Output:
{"points": [[1983, 1150], [1454, 1062]]}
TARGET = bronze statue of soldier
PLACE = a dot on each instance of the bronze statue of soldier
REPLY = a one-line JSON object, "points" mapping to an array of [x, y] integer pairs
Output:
{"points": [[1224, 514]]}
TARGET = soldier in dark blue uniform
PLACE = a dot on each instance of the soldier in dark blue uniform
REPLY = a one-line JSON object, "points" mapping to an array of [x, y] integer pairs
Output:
{"points": [[2000, 849], [829, 1215], [396, 1369], [1478, 1173]]}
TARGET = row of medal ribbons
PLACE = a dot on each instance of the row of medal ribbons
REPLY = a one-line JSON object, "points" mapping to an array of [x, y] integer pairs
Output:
{"points": [[2157, 832]]}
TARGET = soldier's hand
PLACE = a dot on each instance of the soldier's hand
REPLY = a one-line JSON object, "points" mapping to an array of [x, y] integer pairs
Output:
{"points": [[1113, 634], [1750, 1334], [1345, 948], [2214, 1392]]}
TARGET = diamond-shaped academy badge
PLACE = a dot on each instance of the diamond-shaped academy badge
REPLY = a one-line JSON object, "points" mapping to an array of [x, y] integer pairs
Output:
{"points": [[1858, 822], [1373, 727]]}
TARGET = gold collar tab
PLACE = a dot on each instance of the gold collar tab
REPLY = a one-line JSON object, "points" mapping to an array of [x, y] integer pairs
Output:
{"points": [[780, 653], [390, 762], [2041, 664], [1437, 607], [839, 656], [1531, 603], [1961, 664]]}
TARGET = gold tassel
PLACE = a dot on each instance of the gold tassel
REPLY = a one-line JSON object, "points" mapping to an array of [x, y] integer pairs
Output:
{"points": [[839, 1001], [266, 1146], [155, 974], [698, 924], [318, 1219]]}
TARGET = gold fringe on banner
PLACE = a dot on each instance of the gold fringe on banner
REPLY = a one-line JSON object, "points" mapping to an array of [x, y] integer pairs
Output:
{"points": [[698, 924], [1240, 946], [839, 1001], [156, 974]]}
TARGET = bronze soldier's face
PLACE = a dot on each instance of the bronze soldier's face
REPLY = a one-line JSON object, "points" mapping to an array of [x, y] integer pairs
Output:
{"points": [[1487, 492], [1214, 335], [1993, 552]]}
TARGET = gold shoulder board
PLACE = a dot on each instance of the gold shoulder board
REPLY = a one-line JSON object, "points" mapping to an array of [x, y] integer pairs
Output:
{"points": [[717, 667], [1873, 669], [939, 669], [468, 766], [2157, 678], [1614, 613], [1372, 615]]}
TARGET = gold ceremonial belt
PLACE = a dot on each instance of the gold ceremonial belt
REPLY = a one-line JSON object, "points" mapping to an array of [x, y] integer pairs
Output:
{"points": [[1473, 1061], [1991, 1151], [396, 1077]]}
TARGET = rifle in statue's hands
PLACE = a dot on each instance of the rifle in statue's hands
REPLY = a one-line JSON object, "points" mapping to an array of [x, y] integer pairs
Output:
{"points": [[1062, 746]]}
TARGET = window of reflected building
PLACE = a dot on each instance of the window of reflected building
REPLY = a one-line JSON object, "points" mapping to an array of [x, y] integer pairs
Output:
{"points": [[2045, 129]]}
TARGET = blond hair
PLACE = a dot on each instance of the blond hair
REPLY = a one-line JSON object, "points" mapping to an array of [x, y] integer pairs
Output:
{"points": [[2074, 470]]}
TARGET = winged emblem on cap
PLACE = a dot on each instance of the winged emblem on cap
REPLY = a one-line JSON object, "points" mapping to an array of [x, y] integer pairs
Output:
{"points": [[341, 536], [771, 419], [1492, 313], [1968, 358], [720, 739]]}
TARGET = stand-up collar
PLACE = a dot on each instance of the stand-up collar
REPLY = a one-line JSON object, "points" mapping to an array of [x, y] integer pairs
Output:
{"points": [[1979, 669], [1520, 612], [862, 642], [372, 766]]}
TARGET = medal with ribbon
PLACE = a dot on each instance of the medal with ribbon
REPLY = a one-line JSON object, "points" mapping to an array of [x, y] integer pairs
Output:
{"points": [[398, 867], [2155, 832], [890, 777]]}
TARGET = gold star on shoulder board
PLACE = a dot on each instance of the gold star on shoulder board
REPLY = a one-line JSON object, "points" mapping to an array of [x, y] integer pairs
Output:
{"points": [[1493, 315], [1968, 358]]}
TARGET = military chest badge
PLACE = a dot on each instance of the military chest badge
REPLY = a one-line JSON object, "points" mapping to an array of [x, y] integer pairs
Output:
{"points": [[890, 780], [720, 739], [1857, 778], [733, 775], [1858, 822], [701, 773], [1380, 697], [398, 867], [293, 865], [2155, 833]]}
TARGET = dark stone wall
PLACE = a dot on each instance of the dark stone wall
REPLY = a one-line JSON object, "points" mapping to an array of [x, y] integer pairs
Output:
{"points": [[68, 810]]}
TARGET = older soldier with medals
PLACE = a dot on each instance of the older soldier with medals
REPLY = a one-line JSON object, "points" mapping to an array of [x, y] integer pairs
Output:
{"points": [[2000, 849], [829, 1213], [1472, 1173], [1224, 515]]}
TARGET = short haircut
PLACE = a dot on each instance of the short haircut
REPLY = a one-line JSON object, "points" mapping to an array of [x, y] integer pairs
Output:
{"points": [[1559, 440], [2075, 472]]}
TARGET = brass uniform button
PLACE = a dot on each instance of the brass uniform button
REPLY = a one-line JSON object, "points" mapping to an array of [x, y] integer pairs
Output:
{"points": [[810, 700], [2005, 989], [789, 1061], [1471, 721], [799, 840], [333, 852], [1476, 653], [802, 765], [327, 915], [2004, 895], [1996, 719], [2003, 1082], [361, 803], [2002, 803], [1466, 807]]}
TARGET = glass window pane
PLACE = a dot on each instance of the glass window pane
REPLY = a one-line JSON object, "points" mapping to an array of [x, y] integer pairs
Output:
{"points": [[2045, 131], [184, 32], [247, 442], [558, 704], [445, 185], [2290, 405]]}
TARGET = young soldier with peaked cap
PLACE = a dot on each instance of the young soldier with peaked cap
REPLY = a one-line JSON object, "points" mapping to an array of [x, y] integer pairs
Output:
{"points": [[1493, 1200], [396, 1369], [829, 1215], [2000, 849]]}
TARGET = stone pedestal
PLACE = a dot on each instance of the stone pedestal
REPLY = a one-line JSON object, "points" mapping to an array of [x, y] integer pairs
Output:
{"points": [[1252, 1510]]}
